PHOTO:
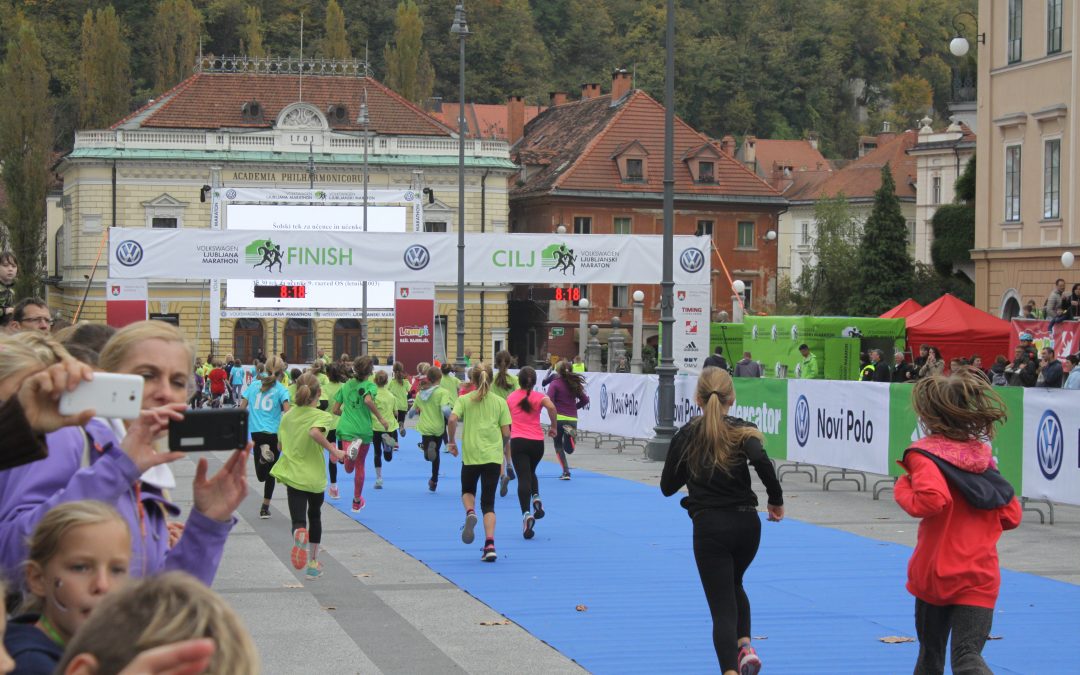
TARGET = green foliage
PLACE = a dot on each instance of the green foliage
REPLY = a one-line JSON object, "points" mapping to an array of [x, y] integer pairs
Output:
{"points": [[334, 44], [105, 70], [965, 184], [883, 271], [251, 33], [928, 285], [912, 96], [176, 29], [825, 286], [25, 143], [408, 67], [954, 226]]}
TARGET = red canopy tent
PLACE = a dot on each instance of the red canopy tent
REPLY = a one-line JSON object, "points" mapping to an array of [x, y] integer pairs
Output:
{"points": [[903, 310], [958, 329]]}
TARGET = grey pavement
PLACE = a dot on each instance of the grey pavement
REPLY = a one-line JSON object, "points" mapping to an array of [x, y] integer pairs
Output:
{"points": [[378, 610]]}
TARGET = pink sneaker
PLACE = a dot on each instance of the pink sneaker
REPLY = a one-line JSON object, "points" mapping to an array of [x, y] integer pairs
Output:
{"points": [[749, 663], [334, 494]]}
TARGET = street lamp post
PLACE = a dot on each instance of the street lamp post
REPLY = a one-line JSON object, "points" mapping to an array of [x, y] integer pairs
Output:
{"points": [[460, 28], [583, 326], [639, 309], [665, 423], [363, 298]]}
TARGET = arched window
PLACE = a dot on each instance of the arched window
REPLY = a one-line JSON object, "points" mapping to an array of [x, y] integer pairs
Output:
{"points": [[299, 341], [347, 333], [248, 339]]}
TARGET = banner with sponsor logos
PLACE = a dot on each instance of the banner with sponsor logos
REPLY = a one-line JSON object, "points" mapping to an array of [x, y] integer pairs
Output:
{"points": [[764, 402], [1065, 340], [138, 253], [1052, 445], [690, 339], [414, 324], [838, 424], [319, 196]]}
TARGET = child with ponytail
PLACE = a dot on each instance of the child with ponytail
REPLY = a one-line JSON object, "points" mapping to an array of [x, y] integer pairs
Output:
{"points": [[399, 386], [383, 438], [266, 400], [433, 406], [355, 402]]}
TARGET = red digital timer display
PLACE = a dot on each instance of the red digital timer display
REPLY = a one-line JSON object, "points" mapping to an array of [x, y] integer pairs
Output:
{"points": [[568, 294], [281, 291]]}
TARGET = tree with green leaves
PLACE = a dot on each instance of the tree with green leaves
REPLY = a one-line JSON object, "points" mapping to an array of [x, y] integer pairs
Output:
{"points": [[104, 70], [883, 267], [25, 145], [177, 26], [408, 68], [825, 284], [334, 44], [954, 237], [251, 33]]}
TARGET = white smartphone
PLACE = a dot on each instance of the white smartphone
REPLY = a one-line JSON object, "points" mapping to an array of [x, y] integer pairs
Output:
{"points": [[108, 395]]}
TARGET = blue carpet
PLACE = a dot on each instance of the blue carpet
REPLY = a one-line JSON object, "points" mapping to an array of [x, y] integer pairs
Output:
{"points": [[821, 598]]}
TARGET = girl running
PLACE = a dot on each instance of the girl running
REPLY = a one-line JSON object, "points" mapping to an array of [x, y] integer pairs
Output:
{"points": [[300, 468], [78, 552], [236, 379], [709, 455], [266, 400], [383, 437], [527, 445], [484, 442], [502, 384], [433, 405], [399, 387], [335, 376], [355, 402], [567, 392], [953, 485]]}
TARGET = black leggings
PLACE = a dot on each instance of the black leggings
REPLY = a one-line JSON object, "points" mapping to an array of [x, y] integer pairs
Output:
{"points": [[725, 543], [332, 437], [312, 502], [262, 469], [401, 422], [564, 442], [488, 476], [526, 454], [969, 627], [378, 446], [437, 440]]}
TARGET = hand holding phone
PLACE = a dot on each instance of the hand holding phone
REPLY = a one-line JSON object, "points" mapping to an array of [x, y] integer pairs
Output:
{"points": [[108, 394], [209, 429]]}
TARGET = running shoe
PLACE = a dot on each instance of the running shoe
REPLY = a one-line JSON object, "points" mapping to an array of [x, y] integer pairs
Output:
{"points": [[266, 453], [538, 508], [390, 439], [468, 529], [378, 483], [432, 484], [314, 570], [334, 493], [358, 504], [527, 525], [401, 431], [388, 455], [264, 512], [299, 549], [504, 482], [565, 476], [489, 553], [749, 663], [354, 449], [431, 451], [510, 471]]}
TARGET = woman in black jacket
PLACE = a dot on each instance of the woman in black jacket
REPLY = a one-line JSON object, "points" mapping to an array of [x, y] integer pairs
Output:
{"points": [[709, 455]]}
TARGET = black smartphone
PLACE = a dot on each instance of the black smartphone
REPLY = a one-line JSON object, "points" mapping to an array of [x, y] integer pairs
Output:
{"points": [[209, 429]]}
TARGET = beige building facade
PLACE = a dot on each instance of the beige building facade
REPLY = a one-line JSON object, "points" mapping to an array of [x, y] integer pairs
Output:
{"points": [[1029, 91]]}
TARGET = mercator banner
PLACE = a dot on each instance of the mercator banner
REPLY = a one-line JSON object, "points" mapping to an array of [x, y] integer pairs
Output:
{"points": [[138, 253]]}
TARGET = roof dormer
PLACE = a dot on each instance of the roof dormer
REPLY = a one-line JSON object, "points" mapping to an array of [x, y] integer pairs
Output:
{"points": [[702, 163], [632, 161]]}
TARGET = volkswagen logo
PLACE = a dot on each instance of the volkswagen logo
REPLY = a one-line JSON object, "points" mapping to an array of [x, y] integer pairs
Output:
{"points": [[409, 195], [802, 421], [603, 401], [1050, 445], [692, 260], [230, 194], [417, 257], [129, 253]]}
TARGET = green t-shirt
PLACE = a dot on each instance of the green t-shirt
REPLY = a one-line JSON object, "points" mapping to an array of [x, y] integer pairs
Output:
{"points": [[355, 415], [385, 401], [324, 382], [499, 391], [400, 392], [452, 385], [432, 422], [482, 439], [302, 465]]}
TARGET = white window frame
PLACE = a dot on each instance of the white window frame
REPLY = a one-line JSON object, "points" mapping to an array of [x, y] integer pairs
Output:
{"points": [[753, 235], [620, 296], [164, 206], [935, 189], [629, 222], [804, 233], [1019, 147], [1046, 143], [705, 227], [1014, 32], [1055, 16], [580, 220]]}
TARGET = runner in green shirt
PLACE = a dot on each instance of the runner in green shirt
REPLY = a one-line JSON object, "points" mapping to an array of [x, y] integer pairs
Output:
{"points": [[303, 437], [433, 404], [384, 437], [355, 402], [399, 386], [485, 443], [334, 379], [450, 382]]}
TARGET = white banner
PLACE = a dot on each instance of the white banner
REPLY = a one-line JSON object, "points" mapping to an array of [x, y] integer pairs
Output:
{"points": [[690, 340], [838, 424], [240, 195], [305, 314], [126, 289], [1051, 445], [138, 253]]}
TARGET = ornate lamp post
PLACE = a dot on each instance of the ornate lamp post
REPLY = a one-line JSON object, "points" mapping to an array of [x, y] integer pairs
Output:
{"points": [[460, 28], [639, 308]]}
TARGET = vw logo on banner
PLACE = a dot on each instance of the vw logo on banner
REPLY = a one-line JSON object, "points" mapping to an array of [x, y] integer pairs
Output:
{"points": [[1050, 444], [802, 421], [129, 253], [417, 257], [230, 194], [603, 402], [692, 260]]}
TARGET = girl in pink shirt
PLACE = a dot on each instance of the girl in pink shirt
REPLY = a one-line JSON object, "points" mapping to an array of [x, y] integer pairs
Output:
{"points": [[527, 444]]}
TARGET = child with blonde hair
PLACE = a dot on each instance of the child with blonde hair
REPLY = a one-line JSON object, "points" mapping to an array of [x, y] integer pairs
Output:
{"points": [[384, 437], [79, 552], [432, 405]]}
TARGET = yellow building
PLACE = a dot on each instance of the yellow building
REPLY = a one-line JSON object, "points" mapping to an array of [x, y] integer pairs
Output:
{"points": [[245, 123], [1026, 179]]}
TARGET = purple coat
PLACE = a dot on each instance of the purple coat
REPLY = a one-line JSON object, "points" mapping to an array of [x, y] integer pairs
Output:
{"points": [[28, 492], [566, 403]]}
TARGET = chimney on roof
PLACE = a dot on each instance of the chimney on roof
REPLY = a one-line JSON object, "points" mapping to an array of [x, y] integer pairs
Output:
{"points": [[812, 140], [590, 90], [620, 84], [515, 118], [436, 104], [727, 145], [749, 151], [557, 98]]}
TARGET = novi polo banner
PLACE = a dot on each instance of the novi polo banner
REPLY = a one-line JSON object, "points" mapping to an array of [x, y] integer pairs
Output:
{"points": [[414, 324], [839, 424], [139, 253], [690, 341], [125, 301]]}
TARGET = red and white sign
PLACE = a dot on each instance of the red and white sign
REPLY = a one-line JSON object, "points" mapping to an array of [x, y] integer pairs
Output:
{"points": [[125, 301], [414, 324], [1065, 340]]}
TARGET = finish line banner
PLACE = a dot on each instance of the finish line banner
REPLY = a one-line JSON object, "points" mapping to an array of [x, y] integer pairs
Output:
{"points": [[138, 253]]}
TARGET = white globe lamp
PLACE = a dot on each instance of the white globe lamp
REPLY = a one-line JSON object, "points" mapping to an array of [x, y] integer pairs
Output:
{"points": [[738, 286], [959, 46], [1067, 259], [583, 303], [639, 296]]}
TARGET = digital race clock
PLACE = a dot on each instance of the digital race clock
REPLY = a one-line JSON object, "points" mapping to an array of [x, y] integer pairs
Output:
{"points": [[281, 291]]}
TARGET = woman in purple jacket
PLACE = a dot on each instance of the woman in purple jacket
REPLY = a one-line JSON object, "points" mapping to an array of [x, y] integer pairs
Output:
{"points": [[121, 467], [567, 392]]}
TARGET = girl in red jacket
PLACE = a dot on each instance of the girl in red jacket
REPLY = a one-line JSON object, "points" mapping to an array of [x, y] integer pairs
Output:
{"points": [[953, 484]]}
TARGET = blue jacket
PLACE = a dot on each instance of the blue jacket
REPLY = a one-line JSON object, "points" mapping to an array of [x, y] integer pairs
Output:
{"points": [[1052, 375], [34, 652]]}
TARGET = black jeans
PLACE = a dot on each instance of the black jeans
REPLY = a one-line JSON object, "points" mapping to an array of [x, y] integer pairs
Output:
{"points": [[969, 626], [262, 469], [488, 476], [437, 440], [526, 454], [564, 443], [311, 502], [725, 543]]}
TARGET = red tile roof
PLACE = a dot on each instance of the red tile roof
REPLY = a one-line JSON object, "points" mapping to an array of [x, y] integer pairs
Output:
{"points": [[215, 101], [577, 141], [772, 154], [861, 178], [482, 120]]}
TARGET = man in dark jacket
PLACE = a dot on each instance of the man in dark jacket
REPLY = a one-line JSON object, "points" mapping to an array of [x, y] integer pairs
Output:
{"points": [[747, 367], [902, 370], [716, 360], [881, 369], [1051, 373], [1022, 371]]}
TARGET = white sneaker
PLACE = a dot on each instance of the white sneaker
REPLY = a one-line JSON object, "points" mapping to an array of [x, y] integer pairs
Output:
{"points": [[266, 453], [378, 483], [354, 449]]}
